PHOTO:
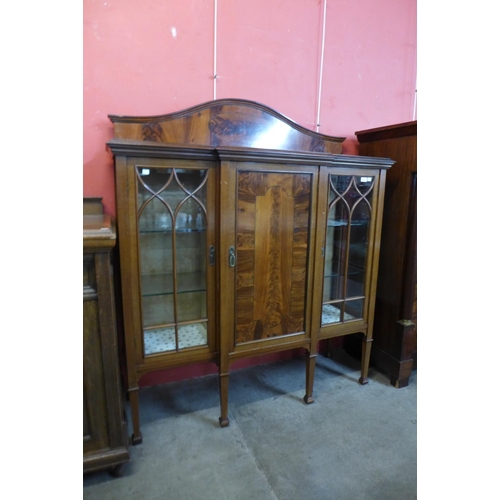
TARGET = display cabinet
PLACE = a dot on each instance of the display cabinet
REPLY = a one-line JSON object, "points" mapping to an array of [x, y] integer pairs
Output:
{"points": [[241, 233], [105, 436], [395, 322]]}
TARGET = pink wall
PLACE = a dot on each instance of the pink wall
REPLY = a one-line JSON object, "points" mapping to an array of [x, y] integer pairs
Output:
{"points": [[150, 57], [153, 57]]}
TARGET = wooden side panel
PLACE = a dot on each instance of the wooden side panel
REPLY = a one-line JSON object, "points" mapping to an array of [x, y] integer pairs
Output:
{"points": [[394, 240], [95, 428], [272, 247]]}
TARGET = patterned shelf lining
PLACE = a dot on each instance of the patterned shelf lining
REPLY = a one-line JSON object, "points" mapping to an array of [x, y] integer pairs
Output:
{"points": [[163, 339], [331, 314]]}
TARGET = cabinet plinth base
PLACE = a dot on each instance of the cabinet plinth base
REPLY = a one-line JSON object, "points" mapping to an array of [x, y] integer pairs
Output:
{"points": [[224, 422], [116, 471], [399, 383]]}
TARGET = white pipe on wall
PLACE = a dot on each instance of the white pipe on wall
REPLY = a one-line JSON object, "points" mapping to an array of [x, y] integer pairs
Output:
{"points": [[322, 55], [215, 50]]}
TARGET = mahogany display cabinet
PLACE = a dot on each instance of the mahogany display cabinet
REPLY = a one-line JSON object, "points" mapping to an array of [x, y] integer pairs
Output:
{"points": [[241, 233], [395, 321], [105, 434]]}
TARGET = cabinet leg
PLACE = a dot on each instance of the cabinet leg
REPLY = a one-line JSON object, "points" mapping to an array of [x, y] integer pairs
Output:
{"points": [[134, 409], [310, 367], [224, 396], [329, 348], [366, 348]]}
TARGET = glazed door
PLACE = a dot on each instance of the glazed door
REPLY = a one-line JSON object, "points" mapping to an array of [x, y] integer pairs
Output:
{"points": [[267, 239], [346, 231], [176, 256]]}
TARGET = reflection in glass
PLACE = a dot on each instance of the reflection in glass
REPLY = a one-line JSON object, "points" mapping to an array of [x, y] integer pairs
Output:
{"points": [[172, 225], [346, 245]]}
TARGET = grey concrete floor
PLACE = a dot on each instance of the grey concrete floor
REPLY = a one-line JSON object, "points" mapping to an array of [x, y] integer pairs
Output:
{"points": [[354, 442]]}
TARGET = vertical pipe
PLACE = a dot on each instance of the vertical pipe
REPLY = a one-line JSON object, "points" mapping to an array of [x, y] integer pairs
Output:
{"points": [[215, 50], [321, 65], [415, 100]]}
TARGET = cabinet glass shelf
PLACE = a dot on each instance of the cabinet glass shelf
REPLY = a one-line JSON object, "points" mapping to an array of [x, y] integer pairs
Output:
{"points": [[355, 273], [341, 223], [170, 231], [163, 284]]}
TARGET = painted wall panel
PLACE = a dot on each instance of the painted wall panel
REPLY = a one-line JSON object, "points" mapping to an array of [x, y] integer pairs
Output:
{"points": [[140, 57], [269, 51], [369, 66]]}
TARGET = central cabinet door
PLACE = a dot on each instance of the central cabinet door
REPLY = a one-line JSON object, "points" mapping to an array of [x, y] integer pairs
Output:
{"points": [[267, 239]]}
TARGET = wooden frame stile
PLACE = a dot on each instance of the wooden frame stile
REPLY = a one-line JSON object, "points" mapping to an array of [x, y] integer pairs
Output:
{"points": [[227, 281], [129, 282], [372, 292]]}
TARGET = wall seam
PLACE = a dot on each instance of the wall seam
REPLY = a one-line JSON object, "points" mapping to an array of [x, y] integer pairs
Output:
{"points": [[322, 55], [215, 50]]}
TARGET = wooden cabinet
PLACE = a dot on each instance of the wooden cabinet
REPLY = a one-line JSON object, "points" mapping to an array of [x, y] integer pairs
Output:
{"points": [[227, 213], [105, 436], [395, 323]]}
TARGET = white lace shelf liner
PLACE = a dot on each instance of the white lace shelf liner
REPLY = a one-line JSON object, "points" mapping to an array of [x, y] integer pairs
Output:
{"points": [[163, 339], [331, 314]]}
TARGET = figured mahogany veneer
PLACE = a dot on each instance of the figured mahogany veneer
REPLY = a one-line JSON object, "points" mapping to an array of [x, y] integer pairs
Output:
{"points": [[254, 224], [226, 122]]}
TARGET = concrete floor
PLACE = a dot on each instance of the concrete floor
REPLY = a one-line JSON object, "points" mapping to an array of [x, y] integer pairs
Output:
{"points": [[354, 442]]}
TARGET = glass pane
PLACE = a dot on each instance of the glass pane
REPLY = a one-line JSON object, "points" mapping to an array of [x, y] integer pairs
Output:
{"points": [[340, 184], [190, 251], [159, 340], [192, 335], [190, 216], [331, 313], [335, 251], [353, 309], [364, 184], [192, 306], [152, 180], [157, 310], [163, 339], [358, 247], [346, 247]]}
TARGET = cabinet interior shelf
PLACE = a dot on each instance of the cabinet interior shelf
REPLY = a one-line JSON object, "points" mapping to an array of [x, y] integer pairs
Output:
{"points": [[340, 223], [163, 284], [171, 230], [359, 272]]}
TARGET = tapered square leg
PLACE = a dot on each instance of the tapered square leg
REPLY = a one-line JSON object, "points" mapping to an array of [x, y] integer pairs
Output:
{"points": [[366, 347], [224, 396], [310, 367], [134, 410]]}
